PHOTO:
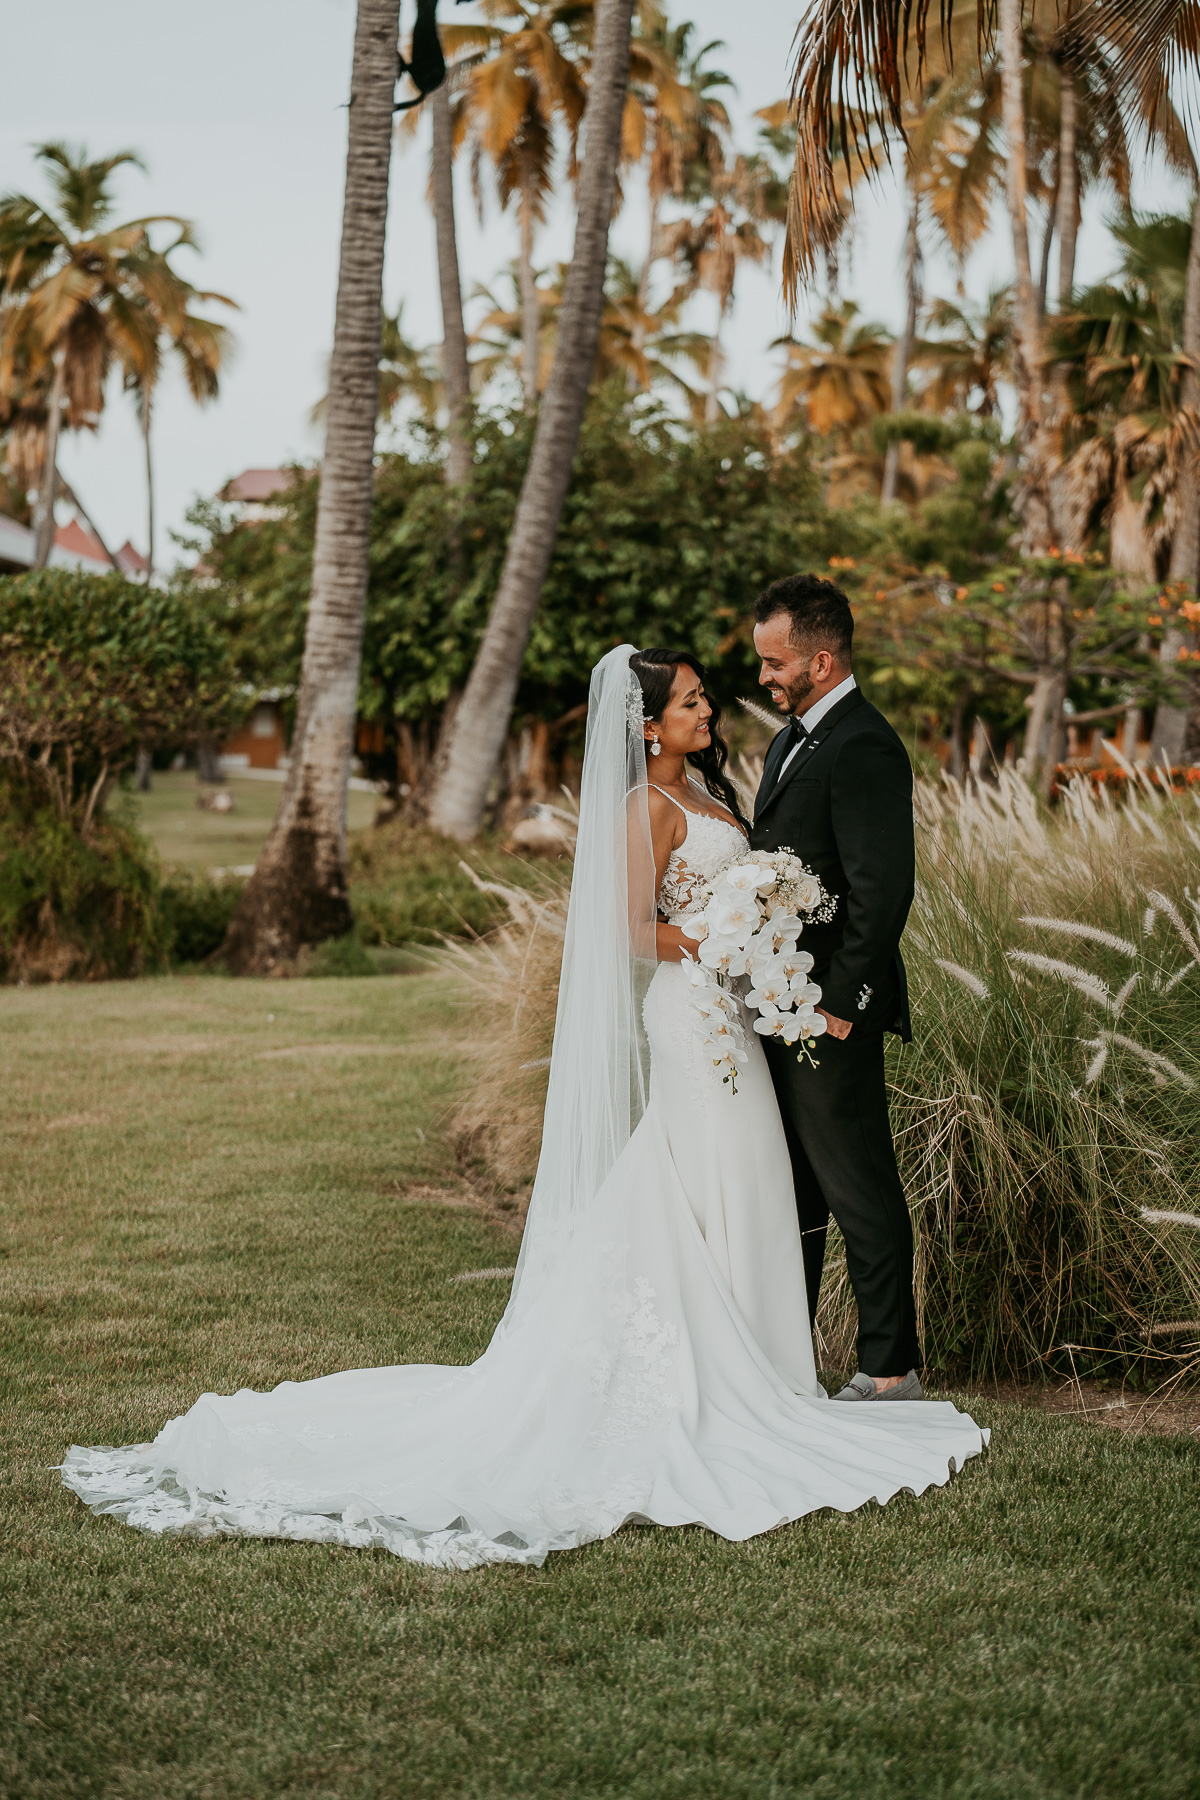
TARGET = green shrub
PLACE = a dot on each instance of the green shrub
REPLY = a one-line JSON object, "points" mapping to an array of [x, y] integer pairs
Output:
{"points": [[74, 907], [341, 956], [196, 914], [407, 887], [91, 668]]}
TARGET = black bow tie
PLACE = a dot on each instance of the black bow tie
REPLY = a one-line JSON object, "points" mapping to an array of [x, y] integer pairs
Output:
{"points": [[797, 730]]}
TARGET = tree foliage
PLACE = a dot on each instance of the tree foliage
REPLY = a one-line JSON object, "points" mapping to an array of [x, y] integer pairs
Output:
{"points": [[667, 535], [92, 666]]}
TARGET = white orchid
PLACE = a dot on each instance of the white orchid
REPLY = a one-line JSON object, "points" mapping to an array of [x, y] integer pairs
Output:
{"points": [[796, 963], [771, 1023], [804, 992], [715, 1004], [771, 984], [723, 954], [725, 1042], [736, 916], [748, 878], [781, 930], [812, 1024]]}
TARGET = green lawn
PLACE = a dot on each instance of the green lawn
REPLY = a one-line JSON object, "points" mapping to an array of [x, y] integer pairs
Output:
{"points": [[185, 837], [196, 1194]]}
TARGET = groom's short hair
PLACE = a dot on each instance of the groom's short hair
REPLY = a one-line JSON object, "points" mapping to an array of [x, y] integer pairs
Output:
{"points": [[819, 612]]}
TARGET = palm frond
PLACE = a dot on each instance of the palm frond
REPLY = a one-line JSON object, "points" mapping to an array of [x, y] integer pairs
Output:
{"points": [[851, 72]]}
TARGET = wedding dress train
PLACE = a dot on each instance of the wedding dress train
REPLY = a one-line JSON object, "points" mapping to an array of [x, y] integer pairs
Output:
{"points": [[655, 1363]]}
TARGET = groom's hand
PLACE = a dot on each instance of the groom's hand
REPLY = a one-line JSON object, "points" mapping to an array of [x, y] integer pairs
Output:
{"points": [[838, 1028]]}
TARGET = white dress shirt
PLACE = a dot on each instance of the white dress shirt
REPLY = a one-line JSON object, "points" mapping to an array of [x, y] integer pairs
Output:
{"points": [[816, 713]]}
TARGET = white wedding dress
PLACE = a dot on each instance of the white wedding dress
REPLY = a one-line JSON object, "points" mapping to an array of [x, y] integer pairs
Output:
{"points": [[655, 1362]]}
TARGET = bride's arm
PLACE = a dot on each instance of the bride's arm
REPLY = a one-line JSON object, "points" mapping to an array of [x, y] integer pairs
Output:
{"points": [[668, 828]]}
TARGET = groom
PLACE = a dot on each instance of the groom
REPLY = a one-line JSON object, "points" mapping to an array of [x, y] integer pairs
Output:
{"points": [[837, 788]]}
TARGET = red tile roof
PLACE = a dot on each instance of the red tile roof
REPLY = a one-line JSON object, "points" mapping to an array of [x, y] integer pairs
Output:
{"points": [[79, 542], [131, 561], [256, 485]]}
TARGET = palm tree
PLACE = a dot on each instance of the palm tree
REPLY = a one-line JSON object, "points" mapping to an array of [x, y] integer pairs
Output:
{"points": [[481, 721], [298, 893], [850, 77], [712, 242], [687, 125], [937, 147], [511, 101], [644, 344], [638, 344], [837, 380], [501, 338], [200, 346], [406, 372], [1152, 45], [79, 294], [464, 46], [966, 350]]}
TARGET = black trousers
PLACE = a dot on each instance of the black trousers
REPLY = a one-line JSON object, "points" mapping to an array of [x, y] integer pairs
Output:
{"points": [[843, 1162]]}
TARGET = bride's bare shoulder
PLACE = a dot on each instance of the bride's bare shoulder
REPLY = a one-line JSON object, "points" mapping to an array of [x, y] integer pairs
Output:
{"points": [[668, 819]]}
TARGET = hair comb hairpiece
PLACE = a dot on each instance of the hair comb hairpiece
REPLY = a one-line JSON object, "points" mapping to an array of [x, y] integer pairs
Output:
{"points": [[633, 702]]}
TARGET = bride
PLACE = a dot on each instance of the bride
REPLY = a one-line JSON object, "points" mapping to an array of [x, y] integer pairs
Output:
{"points": [[655, 1361]]}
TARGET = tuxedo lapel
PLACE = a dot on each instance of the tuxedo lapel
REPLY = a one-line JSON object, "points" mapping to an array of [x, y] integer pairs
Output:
{"points": [[808, 749], [777, 749]]}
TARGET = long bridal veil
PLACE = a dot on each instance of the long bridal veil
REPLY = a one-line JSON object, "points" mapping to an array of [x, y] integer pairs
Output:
{"points": [[599, 1067]]}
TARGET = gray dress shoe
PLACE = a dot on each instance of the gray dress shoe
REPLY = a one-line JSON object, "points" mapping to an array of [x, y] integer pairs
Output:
{"points": [[863, 1388]]}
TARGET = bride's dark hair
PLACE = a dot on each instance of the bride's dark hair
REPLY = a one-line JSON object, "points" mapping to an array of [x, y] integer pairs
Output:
{"points": [[656, 671]]}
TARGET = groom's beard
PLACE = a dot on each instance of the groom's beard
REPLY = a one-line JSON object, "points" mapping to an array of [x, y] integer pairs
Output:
{"points": [[796, 694]]}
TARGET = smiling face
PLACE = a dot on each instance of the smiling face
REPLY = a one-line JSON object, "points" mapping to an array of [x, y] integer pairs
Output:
{"points": [[682, 726], [795, 677]]}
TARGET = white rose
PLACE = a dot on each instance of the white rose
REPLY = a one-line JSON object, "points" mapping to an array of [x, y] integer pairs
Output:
{"points": [[808, 893]]}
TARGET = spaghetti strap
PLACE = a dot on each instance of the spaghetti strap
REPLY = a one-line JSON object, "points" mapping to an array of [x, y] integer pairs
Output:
{"points": [[686, 810]]}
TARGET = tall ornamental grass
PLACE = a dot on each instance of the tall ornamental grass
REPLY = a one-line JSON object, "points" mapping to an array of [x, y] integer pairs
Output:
{"points": [[1047, 1116]]}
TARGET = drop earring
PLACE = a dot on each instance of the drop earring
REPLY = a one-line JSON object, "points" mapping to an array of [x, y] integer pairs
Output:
{"points": [[655, 747]]}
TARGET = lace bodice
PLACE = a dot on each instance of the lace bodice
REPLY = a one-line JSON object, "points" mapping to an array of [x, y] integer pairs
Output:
{"points": [[710, 845]]}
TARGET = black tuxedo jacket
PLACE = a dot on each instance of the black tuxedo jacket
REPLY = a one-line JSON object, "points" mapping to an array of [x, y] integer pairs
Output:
{"points": [[844, 805]]}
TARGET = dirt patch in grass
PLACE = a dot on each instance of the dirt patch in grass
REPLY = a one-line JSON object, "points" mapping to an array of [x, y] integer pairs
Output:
{"points": [[463, 1198], [1170, 1409]]}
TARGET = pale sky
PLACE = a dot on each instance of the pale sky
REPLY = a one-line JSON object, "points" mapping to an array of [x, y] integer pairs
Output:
{"points": [[236, 108]]}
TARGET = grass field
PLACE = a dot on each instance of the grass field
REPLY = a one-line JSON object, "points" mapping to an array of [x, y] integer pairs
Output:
{"points": [[196, 1193], [187, 838]]}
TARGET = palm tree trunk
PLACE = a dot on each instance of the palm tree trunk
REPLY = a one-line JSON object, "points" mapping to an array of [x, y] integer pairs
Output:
{"points": [[1177, 728], [72, 499], [531, 306], [147, 402], [481, 724], [1026, 337], [1033, 487], [43, 511], [903, 354], [1044, 732], [456, 373], [638, 334], [1047, 246], [716, 365], [298, 893], [1068, 189]]}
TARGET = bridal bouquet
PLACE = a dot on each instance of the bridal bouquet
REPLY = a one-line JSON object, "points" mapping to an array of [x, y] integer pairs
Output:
{"points": [[749, 927]]}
